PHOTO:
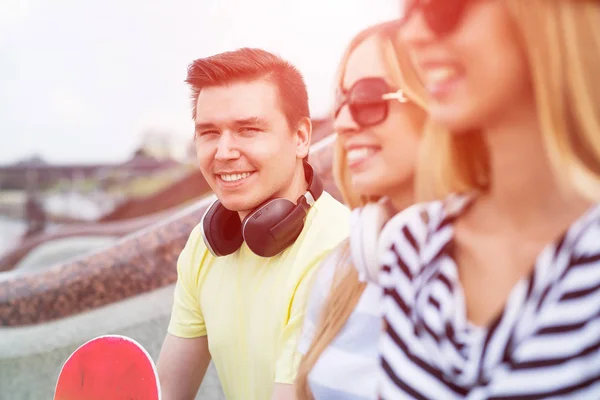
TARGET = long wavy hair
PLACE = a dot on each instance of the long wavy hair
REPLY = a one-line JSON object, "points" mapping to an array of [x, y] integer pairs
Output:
{"points": [[346, 288], [561, 41]]}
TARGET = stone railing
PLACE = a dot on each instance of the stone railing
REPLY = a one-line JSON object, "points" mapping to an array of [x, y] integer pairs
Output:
{"points": [[114, 228], [137, 263]]}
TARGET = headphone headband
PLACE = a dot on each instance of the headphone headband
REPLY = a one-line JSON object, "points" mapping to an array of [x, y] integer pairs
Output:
{"points": [[315, 186]]}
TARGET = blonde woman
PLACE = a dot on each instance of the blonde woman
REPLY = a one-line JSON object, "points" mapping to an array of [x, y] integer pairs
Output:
{"points": [[378, 125], [492, 287]]}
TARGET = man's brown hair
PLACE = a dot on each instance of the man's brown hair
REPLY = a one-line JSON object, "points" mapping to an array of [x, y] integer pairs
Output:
{"points": [[248, 64]]}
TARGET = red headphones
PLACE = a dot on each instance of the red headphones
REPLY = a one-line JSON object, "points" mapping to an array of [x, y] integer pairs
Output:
{"points": [[268, 230]]}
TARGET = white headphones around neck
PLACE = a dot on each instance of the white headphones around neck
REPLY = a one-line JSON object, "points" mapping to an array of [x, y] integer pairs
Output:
{"points": [[366, 224]]}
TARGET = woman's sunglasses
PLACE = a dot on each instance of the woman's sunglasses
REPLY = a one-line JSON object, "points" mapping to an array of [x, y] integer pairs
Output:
{"points": [[441, 16], [367, 101]]}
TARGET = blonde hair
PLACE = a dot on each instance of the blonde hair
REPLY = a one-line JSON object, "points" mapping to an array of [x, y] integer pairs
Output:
{"points": [[346, 289], [561, 41]]}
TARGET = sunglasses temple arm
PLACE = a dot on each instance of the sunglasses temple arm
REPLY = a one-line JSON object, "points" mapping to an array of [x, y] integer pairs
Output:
{"points": [[399, 95]]}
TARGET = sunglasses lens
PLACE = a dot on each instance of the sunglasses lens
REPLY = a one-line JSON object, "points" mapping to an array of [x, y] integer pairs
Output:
{"points": [[441, 16], [340, 100], [366, 103], [369, 114]]}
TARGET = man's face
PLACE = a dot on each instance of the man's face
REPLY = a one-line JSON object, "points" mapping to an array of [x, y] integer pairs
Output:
{"points": [[246, 150]]}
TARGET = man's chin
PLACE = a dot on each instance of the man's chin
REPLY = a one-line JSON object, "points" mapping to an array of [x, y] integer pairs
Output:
{"points": [[242, 207], [240, 202]]}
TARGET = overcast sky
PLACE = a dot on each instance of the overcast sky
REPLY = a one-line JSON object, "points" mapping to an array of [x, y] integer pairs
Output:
{"points": [[80, 80]]}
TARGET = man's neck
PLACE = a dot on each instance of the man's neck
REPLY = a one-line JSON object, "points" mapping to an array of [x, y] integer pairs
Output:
{"points": [[297, 187]]}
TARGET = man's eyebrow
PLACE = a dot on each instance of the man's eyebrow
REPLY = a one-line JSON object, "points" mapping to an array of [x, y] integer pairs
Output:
{"points": [[254, 121], [201, 126], [251, 121]]}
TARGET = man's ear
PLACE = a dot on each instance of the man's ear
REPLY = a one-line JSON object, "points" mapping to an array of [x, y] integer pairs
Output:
{"points": [[303, 136]]}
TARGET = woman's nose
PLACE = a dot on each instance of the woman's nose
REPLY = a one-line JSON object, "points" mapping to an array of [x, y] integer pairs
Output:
{"points": [[344, 123]]}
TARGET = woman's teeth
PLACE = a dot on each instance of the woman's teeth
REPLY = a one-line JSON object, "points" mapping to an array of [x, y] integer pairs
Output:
{"points": [[359, 153], [440, 75]]}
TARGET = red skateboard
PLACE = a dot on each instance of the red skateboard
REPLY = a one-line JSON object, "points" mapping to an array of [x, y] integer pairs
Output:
{"points": [[108, 367]]}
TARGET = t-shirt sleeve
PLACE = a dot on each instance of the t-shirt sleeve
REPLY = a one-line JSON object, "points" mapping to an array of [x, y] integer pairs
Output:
{"points": [[289, 358], [187, 320]]}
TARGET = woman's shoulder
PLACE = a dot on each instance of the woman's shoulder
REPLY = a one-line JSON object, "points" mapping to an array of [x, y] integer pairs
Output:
{"points": [[418, 219], [418, 223], [321, 284]]}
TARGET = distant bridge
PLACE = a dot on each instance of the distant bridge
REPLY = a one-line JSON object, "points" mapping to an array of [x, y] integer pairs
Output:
{"points": [[39, 175]]}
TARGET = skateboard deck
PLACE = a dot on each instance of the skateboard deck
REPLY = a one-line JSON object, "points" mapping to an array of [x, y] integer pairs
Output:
{"points": [[108, 367]]}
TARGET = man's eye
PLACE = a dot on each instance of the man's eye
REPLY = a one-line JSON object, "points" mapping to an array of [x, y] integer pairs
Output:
{"points": [[249, 129], [205, 133]]}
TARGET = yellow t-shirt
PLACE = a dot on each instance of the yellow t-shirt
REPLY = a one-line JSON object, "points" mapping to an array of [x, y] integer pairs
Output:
{"points": [[252, 308]]}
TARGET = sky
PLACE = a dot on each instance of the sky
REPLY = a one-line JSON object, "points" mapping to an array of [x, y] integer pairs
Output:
{"points": [[82, 80]]}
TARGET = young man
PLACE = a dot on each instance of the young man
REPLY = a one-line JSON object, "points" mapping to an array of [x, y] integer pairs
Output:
{"points": [[241, 309]]}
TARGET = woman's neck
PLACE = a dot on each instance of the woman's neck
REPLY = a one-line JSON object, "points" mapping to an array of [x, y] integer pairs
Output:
{"points": [[524, 189], [403, 195]]}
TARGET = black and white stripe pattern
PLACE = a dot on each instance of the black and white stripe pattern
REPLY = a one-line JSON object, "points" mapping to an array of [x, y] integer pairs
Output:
{"points": [[545, 344]]}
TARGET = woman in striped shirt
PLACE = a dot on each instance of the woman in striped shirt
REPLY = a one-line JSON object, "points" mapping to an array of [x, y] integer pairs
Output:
{"points": [[492, 286], [379, 127]]}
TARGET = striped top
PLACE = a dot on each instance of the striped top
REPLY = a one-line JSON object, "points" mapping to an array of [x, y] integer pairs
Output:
{"points": [[544, 344], [348, 368]]}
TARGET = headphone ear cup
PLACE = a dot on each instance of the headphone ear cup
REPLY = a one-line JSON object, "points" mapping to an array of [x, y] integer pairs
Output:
{"points": [[271, 228], [221, 230], [366, 225]]}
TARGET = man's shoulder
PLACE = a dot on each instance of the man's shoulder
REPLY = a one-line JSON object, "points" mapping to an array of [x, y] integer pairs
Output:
{"points": [[195, 252], [195, 240], [325, 228], [328, 207], [330, 217]]}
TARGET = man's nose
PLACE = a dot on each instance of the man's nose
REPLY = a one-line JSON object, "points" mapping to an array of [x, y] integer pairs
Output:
{"points": [[227, 148]]}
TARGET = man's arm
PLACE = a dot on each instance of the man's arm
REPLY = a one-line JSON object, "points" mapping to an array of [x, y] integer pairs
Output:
{"points": [[184, 356], [181, 366]]}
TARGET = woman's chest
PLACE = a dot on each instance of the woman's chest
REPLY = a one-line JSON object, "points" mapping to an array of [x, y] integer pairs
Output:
{"points": [[350, 364], [488, 268]]}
